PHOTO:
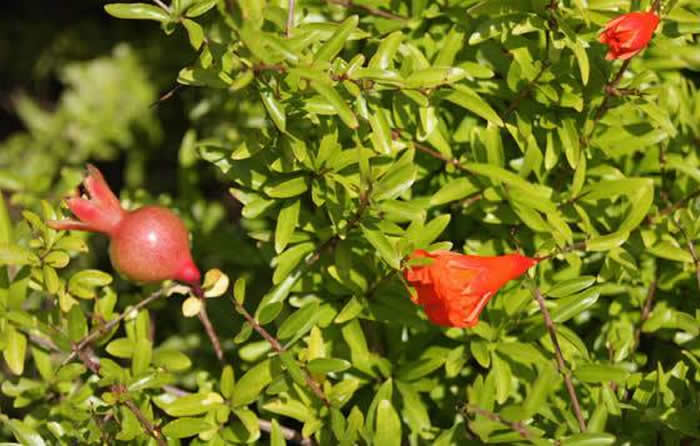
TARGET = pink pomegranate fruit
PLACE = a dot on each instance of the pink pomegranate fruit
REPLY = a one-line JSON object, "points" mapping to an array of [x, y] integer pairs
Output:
{"points": [[149, 244]]}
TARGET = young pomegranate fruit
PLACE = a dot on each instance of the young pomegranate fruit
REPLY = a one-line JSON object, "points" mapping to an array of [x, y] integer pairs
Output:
{"points": [[149, 244]]}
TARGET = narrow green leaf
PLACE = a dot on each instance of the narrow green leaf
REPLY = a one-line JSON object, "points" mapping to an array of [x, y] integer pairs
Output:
{"points": [[330, 94], [383, 246], [299, 322], [139, 11], [388, 429], [286, 223], [335, 44], [466, 98], [186, 427]]}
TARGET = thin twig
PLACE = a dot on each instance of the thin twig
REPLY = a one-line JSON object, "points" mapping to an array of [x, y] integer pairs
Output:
{"points": [[609, 91], [266, 426], [102, 329], [561, 366], [162, 5], [209, 328], [290, 17], [646, 311], [524, 92], [369, 9], [674, 207], [515, 425], [693, 252], [287, 433], [153, 431], [279, 348]]}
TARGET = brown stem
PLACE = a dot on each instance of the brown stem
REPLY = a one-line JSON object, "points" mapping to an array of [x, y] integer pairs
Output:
{"points": [[524, 92], [609, 91], [515, 425], [279, 348], [266, 426], [162, 5], [693, 252], [674, 207], [290, 17], [209, 328], [288, 433], [646, 311], [153, 430], [102, 329], [561, 366], [656, 7], [369, 9]]}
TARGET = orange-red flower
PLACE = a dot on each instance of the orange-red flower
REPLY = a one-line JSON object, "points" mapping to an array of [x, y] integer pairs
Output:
{"points": [[454, 288], [628, 34]]}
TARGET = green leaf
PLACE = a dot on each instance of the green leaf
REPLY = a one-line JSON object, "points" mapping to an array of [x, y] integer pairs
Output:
{"points": [[139, 11], [23, 433], [15, 350], [200, 8], [77, 324], [388, 429], [434, 76], [287, 187], [5, 225], [227, 382], [466, 98], [454, 190], [589, 439], [251, 384], [193, 404], [396, 181], [570, 286], [83, 283], [186, 427], [335, 44], [299, 322], [331, 95], [16, 255], [274, 109], [195, 32], [276, 435], [323, 366], [383, 246], [420, 368], [571, 306], [287, 221], [414, 410], [599, 373]]}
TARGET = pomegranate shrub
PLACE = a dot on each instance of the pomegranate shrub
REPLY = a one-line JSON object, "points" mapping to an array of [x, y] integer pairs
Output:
{"points": [[396, 222]]}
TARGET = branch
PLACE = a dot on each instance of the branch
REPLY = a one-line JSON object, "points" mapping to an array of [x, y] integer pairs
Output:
{"points": [[290, 18], [369, 9], [524, 92], [691, 248], [610, 90], [266, 426], [279, 348], [288, 433], [561, 366], [646, 311], [153, 430], [517, 426], [162, 5], [209, 328], [674, 207], [102, 329]]}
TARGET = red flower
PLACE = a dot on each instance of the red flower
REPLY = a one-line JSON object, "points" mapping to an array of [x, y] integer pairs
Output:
{"points": [[628, 34], [454, 288]]}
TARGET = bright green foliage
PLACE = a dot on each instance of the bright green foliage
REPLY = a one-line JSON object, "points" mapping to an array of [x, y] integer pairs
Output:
{"points": [[366, 130]]}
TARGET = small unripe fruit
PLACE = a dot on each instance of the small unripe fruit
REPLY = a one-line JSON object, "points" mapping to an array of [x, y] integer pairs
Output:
{"points": [[149, 244]]}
